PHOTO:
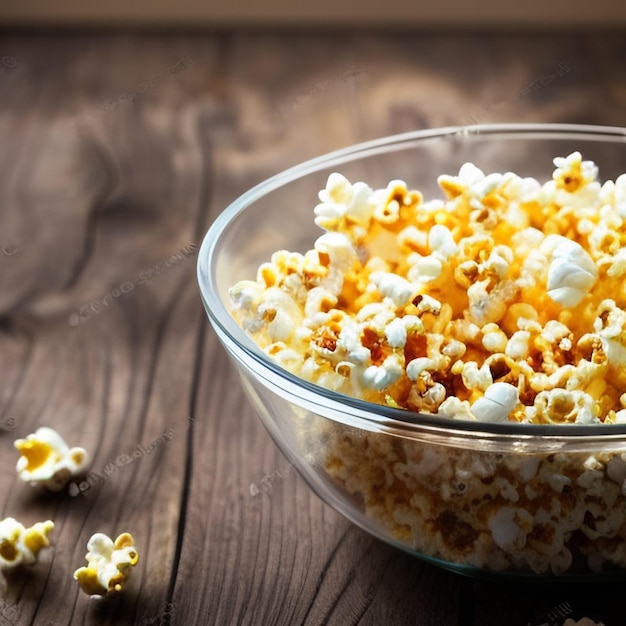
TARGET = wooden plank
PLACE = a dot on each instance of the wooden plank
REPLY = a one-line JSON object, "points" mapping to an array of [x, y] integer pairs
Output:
{"points": [[100, 310]]}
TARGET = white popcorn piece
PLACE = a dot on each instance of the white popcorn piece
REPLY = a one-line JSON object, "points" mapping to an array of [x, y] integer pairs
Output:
{"points": [[572, 172], [419, 365], [484, 187], [486, 306], [109, 564], [572, 272], [400, 290], [617, 264], [440, 240], [517, 346], [338, 189], [349, 342], [454, 408], [318, 300], [565, 406], [475, 377], [396, 332], [424, 269], [497, 403], [342, 202], [411, 238], [499, 261], [494, 339], [469, 175], [613, 194], [20, 545], [432, 399], [427, 304], [399, 328], [381, 376], [279, 317], [508, 530], [338, 248], [615, 352], [47, 460], [454, 349]]}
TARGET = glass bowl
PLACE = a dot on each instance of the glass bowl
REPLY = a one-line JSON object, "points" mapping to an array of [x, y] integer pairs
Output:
{"points": [[541, 502]]}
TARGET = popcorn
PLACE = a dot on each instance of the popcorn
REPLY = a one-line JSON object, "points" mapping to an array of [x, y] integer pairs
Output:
{"points": [[539, 298], [572, 172], [20, 545], [108, 564], [380, 377], [503, 301], [345, 205], [47, 460], [395, 287], [441, 241], [572, 272], [497, 403]]}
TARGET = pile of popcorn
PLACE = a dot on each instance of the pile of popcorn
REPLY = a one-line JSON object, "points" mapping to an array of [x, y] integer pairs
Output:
{"points": [[560, 513], [505, 300], [502, 301]]}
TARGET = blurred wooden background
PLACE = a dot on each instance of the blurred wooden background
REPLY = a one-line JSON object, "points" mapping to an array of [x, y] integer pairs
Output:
{"points": [[117, 150], [395, 14]]}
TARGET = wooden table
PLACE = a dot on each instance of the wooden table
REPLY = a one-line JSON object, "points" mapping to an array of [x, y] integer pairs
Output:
{"points": [[117, 150]]}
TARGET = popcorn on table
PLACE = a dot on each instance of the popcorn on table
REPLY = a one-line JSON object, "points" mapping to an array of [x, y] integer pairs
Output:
{"points": [[425, 304], [108, 564], [20, 545], [47, 460], [503, 301]]}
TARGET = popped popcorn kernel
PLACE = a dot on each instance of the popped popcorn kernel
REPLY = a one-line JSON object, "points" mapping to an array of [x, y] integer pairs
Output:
{"points": [[497, 403], [572, 272], [109, 564], [572, 172], [20, 545], [47, 460]]}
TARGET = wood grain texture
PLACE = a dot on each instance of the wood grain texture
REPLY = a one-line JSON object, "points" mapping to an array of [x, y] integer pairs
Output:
{"points": [[117, 151]]}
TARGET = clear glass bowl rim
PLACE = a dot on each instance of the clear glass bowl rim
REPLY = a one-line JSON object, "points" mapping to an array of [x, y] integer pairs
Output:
{"points": [[399, 420]]}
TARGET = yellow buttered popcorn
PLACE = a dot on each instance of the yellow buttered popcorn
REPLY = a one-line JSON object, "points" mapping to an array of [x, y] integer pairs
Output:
{"points": [[502, 301], [47, 460], [20, 545], [505, 300], [108, 564]]}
